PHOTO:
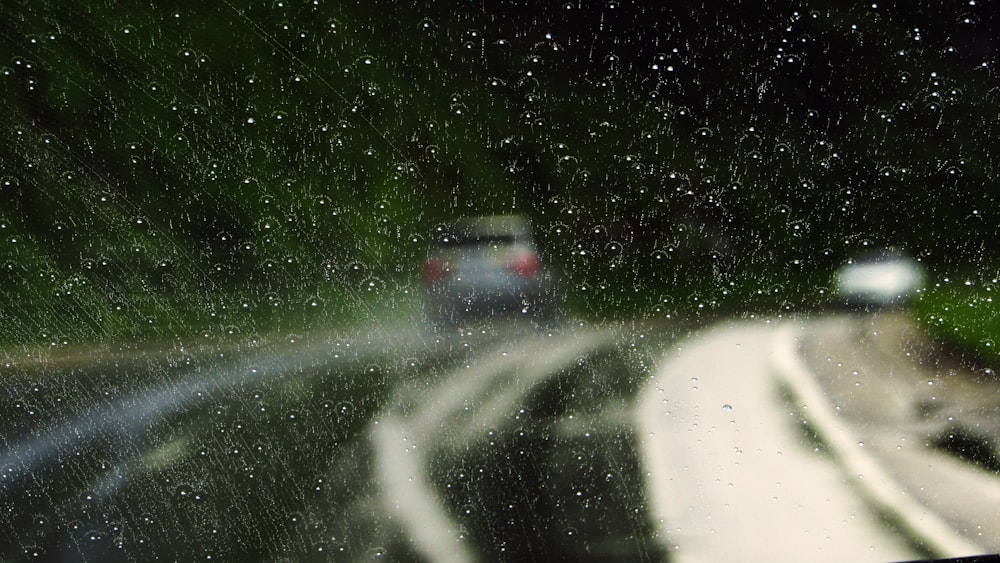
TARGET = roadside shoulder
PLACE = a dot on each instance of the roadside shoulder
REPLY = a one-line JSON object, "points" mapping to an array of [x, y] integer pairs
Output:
{"points": [[860, 468]]}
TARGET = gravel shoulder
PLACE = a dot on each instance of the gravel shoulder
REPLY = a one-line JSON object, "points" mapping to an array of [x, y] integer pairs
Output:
{"points": [[916, 413]]}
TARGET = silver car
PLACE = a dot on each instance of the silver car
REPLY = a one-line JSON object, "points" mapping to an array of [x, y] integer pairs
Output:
{"points": [[487, 266], [879, 278]]}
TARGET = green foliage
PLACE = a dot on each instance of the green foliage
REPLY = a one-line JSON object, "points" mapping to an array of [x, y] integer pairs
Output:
{"points": [[965, 313], [161, 163]]}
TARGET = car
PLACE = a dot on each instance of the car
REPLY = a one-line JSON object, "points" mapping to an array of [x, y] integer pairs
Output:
{"points": [[484, 267], [879, 278]]}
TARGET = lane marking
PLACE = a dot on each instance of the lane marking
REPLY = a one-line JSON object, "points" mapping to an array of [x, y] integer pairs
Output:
{"points": [[861, 469], [442, 417], [726, 474]]}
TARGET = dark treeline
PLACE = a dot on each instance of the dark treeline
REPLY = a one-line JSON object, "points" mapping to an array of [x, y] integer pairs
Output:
{"points": [[228, 166]]}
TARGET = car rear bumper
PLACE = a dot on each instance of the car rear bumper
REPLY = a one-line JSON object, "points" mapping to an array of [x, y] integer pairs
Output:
{"points": [[453, 305]]}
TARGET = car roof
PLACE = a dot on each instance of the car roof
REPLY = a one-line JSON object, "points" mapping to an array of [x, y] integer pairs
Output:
{"points": [[492, 226], [880, 254]]}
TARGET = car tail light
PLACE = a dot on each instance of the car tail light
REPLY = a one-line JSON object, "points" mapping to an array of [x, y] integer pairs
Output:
{"points": [[435, 269], [524, 264]]}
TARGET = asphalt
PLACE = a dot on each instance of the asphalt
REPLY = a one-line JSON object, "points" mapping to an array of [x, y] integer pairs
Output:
{"points": [[463, 405], [767, 440], [907, 404], [820, 439], [730, 475]]}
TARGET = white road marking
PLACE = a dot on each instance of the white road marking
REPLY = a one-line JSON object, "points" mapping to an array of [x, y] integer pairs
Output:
{"points": [[863, 470], [728, 478], [465, 403]]}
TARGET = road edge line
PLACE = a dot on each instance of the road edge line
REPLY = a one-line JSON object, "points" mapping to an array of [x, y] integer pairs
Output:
{"points": [[862, 471], [407, 495]]}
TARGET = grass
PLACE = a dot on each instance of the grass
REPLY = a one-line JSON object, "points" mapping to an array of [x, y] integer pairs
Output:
{"points": [[87, 315], [195, 319], [760, 291], [964, 313]]}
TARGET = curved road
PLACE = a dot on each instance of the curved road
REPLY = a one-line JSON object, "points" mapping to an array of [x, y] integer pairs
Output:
{"points": [[753, 440], [731, 475], [752, 453]]}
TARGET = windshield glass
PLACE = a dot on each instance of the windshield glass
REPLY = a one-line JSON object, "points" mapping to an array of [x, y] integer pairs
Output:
{"points": [[616, 280], [478, 240]]}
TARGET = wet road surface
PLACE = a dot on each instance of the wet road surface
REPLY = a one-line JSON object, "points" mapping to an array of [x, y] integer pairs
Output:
{"points": [[819, 439], [498, 442], [730, 476], [184, 453], [264, 452], [930, 422]]}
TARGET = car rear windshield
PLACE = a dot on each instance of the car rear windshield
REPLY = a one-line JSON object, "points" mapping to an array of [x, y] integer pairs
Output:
{"points": [[478, 240]]}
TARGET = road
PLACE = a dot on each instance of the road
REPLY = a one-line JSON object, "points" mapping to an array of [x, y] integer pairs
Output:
{"points": [[729, 476], [612, 442], [515, 408], [760, 444], [262, 451], [925, 419], [186, 453]]}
